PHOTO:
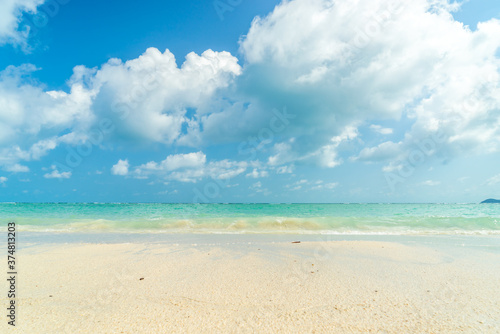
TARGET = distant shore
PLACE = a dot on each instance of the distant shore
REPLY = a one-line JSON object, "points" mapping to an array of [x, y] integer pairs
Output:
{"points": [[261, 284]]}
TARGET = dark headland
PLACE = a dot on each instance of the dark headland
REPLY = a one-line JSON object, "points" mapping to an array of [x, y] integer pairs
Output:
{"points": [[491, 200]]}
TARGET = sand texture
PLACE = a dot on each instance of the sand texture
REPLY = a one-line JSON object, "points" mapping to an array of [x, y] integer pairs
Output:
{"points": [[257, 287]]}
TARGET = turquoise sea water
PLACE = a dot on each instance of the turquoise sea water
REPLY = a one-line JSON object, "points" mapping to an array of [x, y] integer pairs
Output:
{"points": [[348, 219]]}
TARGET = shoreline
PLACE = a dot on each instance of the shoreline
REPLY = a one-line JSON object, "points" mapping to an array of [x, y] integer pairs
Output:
{"points": [[212, 283]]}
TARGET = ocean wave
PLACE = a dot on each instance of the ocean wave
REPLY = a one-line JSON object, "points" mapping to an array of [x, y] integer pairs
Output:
{"points": [[360, 219], [318, 225]]}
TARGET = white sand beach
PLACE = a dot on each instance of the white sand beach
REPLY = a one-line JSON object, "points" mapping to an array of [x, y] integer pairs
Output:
{"points": [[257, 287]]}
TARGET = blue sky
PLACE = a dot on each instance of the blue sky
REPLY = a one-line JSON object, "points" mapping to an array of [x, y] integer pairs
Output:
{"points": [[249, 101]]}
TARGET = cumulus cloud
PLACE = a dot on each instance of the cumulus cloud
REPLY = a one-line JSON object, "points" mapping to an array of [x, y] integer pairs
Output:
{"points": [[255, 173], [149, 96], [55, 174], [120, 168], [27, 110], [176, 161], [144, 99], [340, 67], [11, 12], [17, 168], [190, 167], [346, 63], [3, 179]]}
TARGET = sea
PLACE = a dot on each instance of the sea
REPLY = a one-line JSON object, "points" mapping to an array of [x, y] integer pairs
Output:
{"points": [[333, 219]]}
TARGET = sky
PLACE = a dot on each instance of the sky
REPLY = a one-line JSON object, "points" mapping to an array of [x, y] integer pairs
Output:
{"points": [[249, 101]]}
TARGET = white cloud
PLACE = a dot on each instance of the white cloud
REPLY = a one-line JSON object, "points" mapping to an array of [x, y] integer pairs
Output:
{"points": [[346, 63], [493, 180], [194, 160], [26, 111], [331, 185], [55, 174], [11, 12], [431, 183], [3, 179], [319, 185], [381, 130], [149, 95], [255, 173], [257, 188], [177, 161], [314, 185], [283, 154], [382, 152], [297, 185], [143, 99], [226, 169], [314, 76], [41, 148], [185, 160], [256, 185], [188, 175], [16, 168], [120, 168], [336, 65], [325, 156], [191, 167], [285, 169]]}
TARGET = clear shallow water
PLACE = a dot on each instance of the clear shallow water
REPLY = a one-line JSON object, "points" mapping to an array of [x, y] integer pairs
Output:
{"points": [[343, 219]]}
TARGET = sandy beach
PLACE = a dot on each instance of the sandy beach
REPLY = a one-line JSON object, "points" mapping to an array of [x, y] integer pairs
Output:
{"points": [[242, 284]]}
